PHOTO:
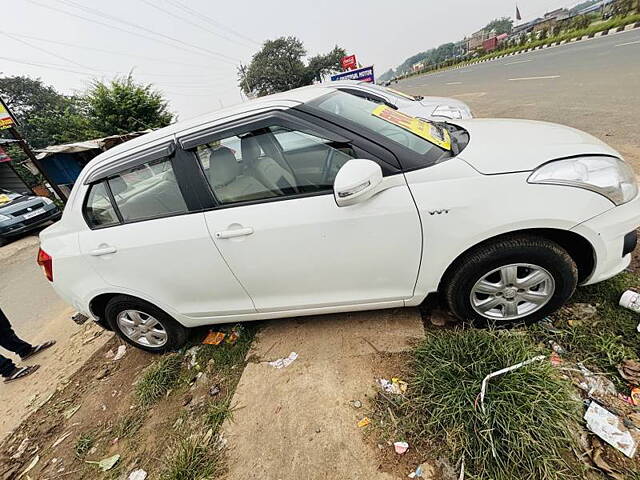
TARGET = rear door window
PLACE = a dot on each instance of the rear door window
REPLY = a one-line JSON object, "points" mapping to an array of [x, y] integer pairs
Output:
{"points": [[99, 210]]}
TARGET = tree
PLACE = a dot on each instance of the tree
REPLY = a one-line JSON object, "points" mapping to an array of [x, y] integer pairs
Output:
{"points": [[622, 7], [123, 106], [500, 25], [279, 66]]}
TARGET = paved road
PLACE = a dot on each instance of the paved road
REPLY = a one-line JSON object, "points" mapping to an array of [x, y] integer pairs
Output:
{"points": [[592, 85], [25, 295]]}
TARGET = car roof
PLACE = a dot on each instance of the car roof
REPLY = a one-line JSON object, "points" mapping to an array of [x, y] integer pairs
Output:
{"points": [[282, 100]]}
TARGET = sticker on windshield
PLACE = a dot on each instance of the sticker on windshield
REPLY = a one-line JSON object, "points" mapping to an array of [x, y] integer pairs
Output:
{"points": [[426, 130]]}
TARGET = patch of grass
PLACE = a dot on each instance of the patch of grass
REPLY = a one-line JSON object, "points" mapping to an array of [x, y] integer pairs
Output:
{"points": [[128, 425], [85, 442], [529, 415], [217, 412], [158, 379], [608, 338], [193, 458], [226, 356]]}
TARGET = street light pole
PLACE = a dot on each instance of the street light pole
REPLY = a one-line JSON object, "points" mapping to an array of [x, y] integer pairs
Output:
{"points": [[29, 153]]}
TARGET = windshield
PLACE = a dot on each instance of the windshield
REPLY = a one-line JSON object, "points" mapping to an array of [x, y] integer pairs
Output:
{"points": [[395, 93], [368, 115]]}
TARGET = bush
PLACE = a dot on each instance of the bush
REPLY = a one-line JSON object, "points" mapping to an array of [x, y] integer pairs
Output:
{"points": [[529, 416]]}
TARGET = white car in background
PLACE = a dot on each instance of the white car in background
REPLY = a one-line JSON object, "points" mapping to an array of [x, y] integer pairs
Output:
{"points": [[316, 201], [434, 108]]}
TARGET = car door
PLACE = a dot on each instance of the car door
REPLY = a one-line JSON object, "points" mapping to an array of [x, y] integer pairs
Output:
{"points": [[144, 239], [292, 247]]}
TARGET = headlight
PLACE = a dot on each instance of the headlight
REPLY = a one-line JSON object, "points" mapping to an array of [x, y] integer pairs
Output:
{"points": [[607, 176], [4, 218], [47, 201], [448, 111]]}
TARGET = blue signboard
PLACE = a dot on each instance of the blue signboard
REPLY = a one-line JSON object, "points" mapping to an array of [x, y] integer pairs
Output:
{"points": [[364, 74]]}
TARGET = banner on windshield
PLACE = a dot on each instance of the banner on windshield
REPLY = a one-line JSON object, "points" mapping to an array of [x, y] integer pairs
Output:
{"points": [[364, 74], [428, 131]]}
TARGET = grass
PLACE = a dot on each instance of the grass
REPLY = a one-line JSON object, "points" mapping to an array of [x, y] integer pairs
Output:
{"points": [[525, 431], [193, 458], [227, 356], [158, 379], [604, 341], [217, 412], [85, 442], [128, 425]]}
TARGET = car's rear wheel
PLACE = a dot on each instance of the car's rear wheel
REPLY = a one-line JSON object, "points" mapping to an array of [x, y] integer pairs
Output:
{"points": [[144, 325], [517, 280]]}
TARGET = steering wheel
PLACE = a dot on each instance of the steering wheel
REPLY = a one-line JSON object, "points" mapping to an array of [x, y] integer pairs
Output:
{"points": [[328, 163]]}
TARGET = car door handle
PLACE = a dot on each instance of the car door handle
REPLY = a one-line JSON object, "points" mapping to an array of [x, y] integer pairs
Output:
{"points": [[236, 232], [103, 251]]}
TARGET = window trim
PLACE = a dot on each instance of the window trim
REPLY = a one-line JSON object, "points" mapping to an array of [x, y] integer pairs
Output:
{"points": [[111, 169]]}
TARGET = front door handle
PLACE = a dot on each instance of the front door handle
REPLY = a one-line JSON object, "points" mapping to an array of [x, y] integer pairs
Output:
{"points": [[103, 250], [236, 232]]}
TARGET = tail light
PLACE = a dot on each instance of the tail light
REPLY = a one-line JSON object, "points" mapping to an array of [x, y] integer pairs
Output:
{"points": [[46, 262]]}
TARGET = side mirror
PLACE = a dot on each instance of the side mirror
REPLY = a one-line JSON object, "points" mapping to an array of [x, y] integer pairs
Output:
{"points": [[356, 181]]}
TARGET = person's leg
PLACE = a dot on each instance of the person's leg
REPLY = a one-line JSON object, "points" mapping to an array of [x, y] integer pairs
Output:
{"points": [[7, 367], [9, 339]]}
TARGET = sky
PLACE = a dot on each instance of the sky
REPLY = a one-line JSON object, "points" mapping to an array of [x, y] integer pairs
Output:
{"points": [[190, 49]]}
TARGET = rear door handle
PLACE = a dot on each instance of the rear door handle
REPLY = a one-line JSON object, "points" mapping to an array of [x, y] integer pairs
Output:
{"points": [[236, 232], [103, 251]]}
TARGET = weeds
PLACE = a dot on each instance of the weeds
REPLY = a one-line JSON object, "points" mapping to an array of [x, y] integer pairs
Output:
{"points": [[193, 458], [227, 356], [217, 412], [128, 425], [158, 379], [529, 412], [85, 442]]}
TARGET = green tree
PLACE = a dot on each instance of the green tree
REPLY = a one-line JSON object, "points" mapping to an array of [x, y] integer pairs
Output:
{"points": [[123, 106], [580, 22], [500, 25], [622, 7], [279, 66]]}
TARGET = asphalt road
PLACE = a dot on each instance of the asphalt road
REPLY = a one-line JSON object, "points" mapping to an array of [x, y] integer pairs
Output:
{"points": [[593, 85]]}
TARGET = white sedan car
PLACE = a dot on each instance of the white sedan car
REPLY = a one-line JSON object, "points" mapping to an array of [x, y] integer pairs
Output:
{"points": [[316, 201], [436, 108]]}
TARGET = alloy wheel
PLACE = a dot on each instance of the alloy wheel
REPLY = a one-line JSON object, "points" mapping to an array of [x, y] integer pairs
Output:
{"points": [[512, 291], [142, 328]]}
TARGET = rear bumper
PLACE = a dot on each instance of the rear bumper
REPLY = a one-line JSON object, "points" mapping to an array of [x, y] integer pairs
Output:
{"points": [[18, 226], [612, 235]]}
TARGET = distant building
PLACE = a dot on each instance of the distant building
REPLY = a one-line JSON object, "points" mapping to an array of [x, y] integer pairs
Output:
{"points": [[551, 19]]}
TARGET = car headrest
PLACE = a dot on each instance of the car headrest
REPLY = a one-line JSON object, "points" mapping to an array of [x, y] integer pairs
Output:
{"points": [[118, 185], [250, 149], [223, 167]]}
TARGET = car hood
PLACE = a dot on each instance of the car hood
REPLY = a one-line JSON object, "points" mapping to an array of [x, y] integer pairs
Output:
{"points": [[11, 198], [425, 108], [505, 145]]}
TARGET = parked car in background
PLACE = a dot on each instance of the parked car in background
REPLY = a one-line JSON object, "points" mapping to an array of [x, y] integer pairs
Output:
{"points": [[22, 213], [317, 201], [436, 108]]}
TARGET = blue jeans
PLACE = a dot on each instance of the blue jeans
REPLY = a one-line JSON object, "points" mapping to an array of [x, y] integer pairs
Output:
{"points": [[10, 341]]}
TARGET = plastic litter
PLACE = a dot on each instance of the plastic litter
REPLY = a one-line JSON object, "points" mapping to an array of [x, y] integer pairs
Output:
{"points": [[233, 337], [364, 422], [106, 464], [214, 338], [395, 386], [138, 474], [122, 349], [214, 390], [503, 371], [635, 396], [555, 359], [79, 318], [631, 300], [593, 383], [400, 447], [422, 471], [355, 403], [284, 362], [612, 430]]}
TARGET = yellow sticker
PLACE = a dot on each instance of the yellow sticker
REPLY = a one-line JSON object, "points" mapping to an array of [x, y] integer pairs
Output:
{"points": [[4, 199], [426, 130]]}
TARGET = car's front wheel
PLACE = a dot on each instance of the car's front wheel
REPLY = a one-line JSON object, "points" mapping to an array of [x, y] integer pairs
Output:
{"points": [[511, 281], [144, 325]]}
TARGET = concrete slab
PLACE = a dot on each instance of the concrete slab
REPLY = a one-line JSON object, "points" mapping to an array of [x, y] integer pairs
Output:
{"points": [[296, 422]]}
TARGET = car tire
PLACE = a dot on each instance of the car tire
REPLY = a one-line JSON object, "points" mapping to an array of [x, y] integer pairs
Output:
{"points": [[144, 325], [481, 288]]}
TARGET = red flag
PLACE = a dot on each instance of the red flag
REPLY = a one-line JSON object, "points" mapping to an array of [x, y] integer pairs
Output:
{"points": [[518, 17]]}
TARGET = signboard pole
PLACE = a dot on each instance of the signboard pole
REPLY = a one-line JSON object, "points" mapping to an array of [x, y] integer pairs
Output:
{"points": [[29, 153]]}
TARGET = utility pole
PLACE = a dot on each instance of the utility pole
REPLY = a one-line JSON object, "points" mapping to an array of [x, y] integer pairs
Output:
{"points": [[29, 153]]}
